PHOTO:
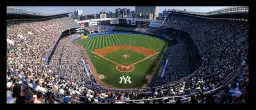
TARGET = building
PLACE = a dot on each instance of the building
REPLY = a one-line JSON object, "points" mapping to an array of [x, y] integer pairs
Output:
{"points": [[133, 13], [82, 17], [77, 13], [103, 15], [160, 15], [96, 16], [110, 14], [118, 12], [143, 10], [123, 13], [165, 13], [150, 16], [91, 16], [80, 12], [128, 11]]}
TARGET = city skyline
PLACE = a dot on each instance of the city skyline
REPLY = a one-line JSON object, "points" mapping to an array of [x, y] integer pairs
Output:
{"points": [[97, 9]]}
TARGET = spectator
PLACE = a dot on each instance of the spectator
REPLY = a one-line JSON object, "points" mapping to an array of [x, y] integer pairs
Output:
{"points": [[39, 98], [10, 98]]}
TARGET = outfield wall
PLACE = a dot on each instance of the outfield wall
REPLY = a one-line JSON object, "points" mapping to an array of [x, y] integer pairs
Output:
{"points": [[76, 39]]}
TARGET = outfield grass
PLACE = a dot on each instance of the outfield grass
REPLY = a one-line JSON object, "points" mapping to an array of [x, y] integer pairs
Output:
{"points": [[109, 70]]}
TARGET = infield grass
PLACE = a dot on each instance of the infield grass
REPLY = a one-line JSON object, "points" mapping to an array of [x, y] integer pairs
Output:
{"points": [[108, 69]]}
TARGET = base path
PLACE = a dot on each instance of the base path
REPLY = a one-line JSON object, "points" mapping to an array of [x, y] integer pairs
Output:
{"points": [[96, 75], [104, 58], [93, 70], [144, 58], [110, 49]]}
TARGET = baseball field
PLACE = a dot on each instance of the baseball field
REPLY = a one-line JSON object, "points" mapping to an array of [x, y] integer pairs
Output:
{"points": [[122, 61]]}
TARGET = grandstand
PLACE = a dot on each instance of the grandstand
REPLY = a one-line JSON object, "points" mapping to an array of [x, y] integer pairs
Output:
{"points": [[205, 61]]}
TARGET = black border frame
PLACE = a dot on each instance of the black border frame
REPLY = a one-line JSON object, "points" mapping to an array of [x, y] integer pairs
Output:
{"points": [[131, 3]]}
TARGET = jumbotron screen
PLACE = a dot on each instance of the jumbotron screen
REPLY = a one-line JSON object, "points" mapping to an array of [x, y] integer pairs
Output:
{"points": [[122, 21]]}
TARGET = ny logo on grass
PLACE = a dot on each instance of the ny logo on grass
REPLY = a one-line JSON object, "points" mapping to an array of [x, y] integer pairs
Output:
{"points": [[126, 79]]}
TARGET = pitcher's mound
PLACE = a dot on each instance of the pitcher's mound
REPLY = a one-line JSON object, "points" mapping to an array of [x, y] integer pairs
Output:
{"points": [[126, 56], [125, 68]]}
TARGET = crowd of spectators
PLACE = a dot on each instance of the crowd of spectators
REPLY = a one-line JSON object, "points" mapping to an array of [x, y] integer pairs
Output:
{"points": [[29, 44], [67, 60], [62, 81], [176, 66], [223, 44], [99, 28]]}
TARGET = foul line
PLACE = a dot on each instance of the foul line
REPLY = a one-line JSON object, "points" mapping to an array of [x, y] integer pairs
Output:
{"points": [[104, 58], [130, 64], [144, 59]]}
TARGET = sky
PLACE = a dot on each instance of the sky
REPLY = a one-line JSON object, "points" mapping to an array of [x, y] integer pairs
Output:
{"points": [[97, 9]]}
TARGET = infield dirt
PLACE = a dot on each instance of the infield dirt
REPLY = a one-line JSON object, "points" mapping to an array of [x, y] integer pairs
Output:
{"points": [[110, 49]]}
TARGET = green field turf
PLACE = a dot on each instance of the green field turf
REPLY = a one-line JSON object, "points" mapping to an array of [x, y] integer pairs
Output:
{"points": [[118, 56], [108, 69]]}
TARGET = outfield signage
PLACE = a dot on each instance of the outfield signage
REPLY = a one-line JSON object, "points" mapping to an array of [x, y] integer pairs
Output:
{"points": [[154, 24]]}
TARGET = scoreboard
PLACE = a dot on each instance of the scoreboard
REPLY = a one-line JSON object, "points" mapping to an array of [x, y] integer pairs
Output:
{"points": [[139, 23], [104, 22], [143, 24], [122, 21], [146, 24]]}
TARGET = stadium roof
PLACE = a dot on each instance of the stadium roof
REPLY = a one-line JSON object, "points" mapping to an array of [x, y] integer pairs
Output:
{"points": [[11, 10], [228, 10]]}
